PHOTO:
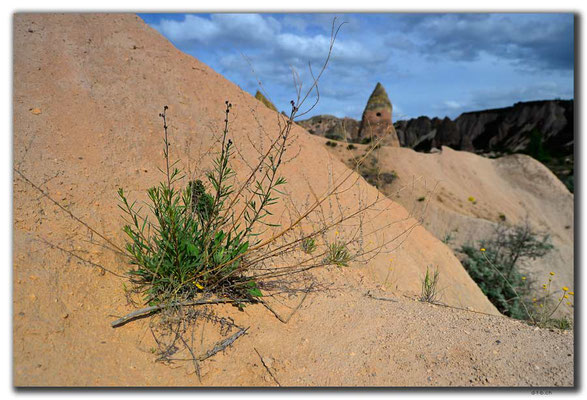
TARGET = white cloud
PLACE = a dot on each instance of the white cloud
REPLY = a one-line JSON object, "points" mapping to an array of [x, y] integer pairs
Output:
{"points": [[235, 28], [453, 104]]}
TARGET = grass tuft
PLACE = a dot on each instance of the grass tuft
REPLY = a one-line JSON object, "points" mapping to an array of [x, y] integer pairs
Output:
{"points": [[338, 254], [429, 292]]}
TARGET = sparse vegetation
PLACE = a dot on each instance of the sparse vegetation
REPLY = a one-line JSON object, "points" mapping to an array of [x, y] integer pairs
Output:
{"points": [[429, 292], [421, 199], [331, 143], [191, 246], [368, 168], [338, 254], [496, 267], [309, 245], [334, 136], [448, 237], [215, 240], [536, 148], [351, 147], [545, 304]]}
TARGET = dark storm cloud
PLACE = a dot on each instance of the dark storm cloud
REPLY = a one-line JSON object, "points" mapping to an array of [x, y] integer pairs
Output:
{"points": [[530, 41]]}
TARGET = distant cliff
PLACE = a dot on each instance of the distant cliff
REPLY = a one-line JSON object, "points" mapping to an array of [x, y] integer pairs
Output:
{"points": [[539, 126]]}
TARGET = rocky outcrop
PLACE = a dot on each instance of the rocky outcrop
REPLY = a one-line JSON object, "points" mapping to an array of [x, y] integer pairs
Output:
{"points": [[376, 121], [259, 96], [511, 129], [331, 127]]}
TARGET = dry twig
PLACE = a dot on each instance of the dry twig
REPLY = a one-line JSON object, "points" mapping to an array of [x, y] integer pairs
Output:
{"points": [[149, 310], [266, 367]]}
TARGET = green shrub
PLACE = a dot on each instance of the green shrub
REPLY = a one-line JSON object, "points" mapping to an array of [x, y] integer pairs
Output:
{"points": [[570, 183], [536, 147], [331, 144], [493, 265], [448, 237], [188, 244], [308, 245], [338, 254], [334, 136], [351, 147]]}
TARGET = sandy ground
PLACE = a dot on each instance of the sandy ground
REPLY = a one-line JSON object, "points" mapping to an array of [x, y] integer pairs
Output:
{"points": [[87, 92], [517, 187]]}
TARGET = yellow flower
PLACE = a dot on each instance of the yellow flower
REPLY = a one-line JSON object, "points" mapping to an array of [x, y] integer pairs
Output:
{"points": [[552, 273], [568, 303], [534, 300], [565, 296], [471, 199], [572, 293], [523, 278], [565, 289], [541, 305], [199, 286], [482, 249], [544, 286]]}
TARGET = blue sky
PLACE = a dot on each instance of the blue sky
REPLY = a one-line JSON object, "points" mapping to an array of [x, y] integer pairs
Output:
{"points": [[430, 64]]}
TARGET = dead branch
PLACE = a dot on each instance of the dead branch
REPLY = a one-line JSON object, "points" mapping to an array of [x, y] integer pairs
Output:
{"points": [[222, 345], [368, 294], [149, 310]]}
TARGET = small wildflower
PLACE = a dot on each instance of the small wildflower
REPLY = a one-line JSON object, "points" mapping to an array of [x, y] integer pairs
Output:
{"points": [[199, 286], [472, 199], [534, 300], [568, 303], [523, 278], [565, 289], [541, 305], [572, 293], [566, 296], [551, 273], [544, 286], [482, 249]]}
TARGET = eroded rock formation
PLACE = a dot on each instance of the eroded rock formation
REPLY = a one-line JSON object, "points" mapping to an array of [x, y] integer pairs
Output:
{"points": [[509, 129], [377, 118], [331, 127]]}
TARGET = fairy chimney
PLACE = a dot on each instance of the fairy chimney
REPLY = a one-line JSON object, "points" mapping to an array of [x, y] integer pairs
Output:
{"points": [[376, 121]]}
